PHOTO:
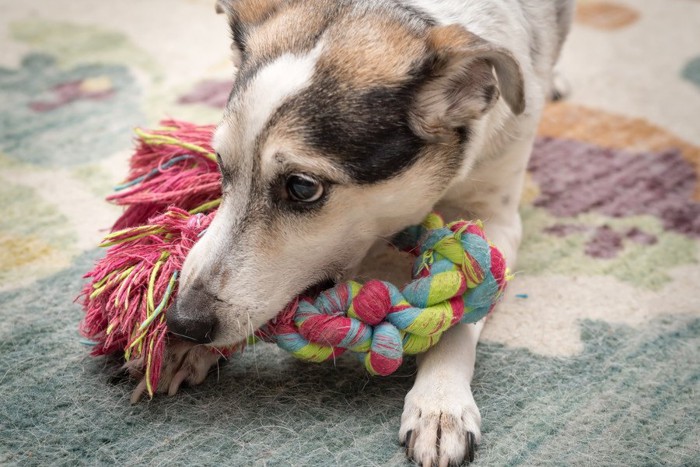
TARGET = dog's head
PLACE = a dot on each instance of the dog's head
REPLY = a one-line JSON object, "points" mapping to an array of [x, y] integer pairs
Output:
{"points": [[346, 123]]}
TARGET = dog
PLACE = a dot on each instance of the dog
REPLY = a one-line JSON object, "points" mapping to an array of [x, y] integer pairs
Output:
{"points": [[348, 121]]}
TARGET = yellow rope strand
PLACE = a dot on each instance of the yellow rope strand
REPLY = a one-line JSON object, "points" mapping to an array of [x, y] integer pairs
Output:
{"points": [[150, 138]]}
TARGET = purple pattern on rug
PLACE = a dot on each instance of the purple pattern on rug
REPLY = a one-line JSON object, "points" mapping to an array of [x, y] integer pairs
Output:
{"points": [[213, 93], [65, 93], [641, 237], [605, 243], [564, 230], [576, 178]]}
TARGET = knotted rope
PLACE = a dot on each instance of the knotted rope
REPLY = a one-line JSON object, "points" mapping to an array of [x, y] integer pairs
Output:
{"points": [[458, 277]]}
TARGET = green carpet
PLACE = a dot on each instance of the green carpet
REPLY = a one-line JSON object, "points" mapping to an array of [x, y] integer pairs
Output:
{"points": [[592, 359], [629, 398]]}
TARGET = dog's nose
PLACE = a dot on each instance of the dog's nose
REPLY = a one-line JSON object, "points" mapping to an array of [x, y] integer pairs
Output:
{"points": [[192, 317], [199, 328]]}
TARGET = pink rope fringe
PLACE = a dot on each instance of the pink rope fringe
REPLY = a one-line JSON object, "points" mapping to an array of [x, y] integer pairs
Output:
{"points": [[133, 284]]}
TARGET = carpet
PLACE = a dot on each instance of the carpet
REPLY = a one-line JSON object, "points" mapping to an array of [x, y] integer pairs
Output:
{"points": [[592, 359]]}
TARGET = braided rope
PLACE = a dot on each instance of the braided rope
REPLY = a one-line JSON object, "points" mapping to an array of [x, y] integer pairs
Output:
{"points": [[458, 277]]}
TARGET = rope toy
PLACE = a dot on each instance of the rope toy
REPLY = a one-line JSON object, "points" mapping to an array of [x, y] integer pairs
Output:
{"points": [[171, 197]]}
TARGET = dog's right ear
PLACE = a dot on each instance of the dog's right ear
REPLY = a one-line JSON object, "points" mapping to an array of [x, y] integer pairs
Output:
{"points": [[243, 15], [462, 85]]}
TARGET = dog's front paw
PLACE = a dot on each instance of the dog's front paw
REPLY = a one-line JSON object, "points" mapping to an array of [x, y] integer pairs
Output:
{"points": [[183, 362], [440, 424]]}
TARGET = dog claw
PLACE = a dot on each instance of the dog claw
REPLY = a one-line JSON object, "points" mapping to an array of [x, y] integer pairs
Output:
{"points": [[407, 436], [179, 377], [408, 443], [471, 446], [138, 392]]}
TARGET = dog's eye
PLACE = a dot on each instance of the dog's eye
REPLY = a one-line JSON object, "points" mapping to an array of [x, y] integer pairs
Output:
{"points": [[218, 160], [303, 188]]}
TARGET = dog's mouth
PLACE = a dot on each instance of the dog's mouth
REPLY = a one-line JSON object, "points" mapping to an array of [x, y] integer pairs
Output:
{"points": [[315, 290]]}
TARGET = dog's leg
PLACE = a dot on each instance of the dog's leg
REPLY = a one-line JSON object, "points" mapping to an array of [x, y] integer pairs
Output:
{"points": [[441, 421]]}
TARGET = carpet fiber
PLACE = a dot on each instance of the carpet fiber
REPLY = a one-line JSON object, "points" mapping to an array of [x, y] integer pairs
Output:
{"points": [[593, 357]]}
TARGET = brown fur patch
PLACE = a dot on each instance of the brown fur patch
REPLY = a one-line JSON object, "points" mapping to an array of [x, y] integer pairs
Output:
{"points": [[372, 49], [449, 38], [253, 11], [294, 29]]}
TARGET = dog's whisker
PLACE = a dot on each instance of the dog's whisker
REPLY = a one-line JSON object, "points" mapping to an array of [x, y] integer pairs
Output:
{"points": [[187, 338], [255, 350], [220, 353]]}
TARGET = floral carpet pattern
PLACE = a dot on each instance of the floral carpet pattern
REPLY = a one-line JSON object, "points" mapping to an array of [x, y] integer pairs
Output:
{"points": [[593, 357]]}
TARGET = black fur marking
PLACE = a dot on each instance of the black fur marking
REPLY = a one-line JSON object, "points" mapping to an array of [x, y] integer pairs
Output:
{"points": [[246, 73], [365, 131], [464, 133], [227, 173], [489, 93], [238, 33], [227, 177], [557, 95]]}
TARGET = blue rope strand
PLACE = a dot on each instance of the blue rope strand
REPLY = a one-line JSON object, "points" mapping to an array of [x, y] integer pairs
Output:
{"points": [[153, 172]]}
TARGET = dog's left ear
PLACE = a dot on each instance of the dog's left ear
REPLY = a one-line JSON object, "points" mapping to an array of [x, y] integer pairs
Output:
{"points": [[461, 85], [242, 15], [248, 11]]}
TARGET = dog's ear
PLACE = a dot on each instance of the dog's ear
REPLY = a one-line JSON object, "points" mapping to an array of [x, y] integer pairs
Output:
{"points": [[461, 85], [248, 11], [242, 15]]}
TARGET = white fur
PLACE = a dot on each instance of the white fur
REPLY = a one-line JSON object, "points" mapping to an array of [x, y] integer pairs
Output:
{"points": [[272, 85]]}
